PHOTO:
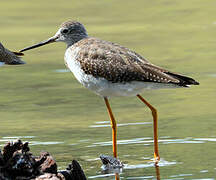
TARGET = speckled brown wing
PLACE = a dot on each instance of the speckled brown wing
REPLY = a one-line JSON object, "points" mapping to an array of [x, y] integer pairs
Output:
{"points": [[119, 64]]}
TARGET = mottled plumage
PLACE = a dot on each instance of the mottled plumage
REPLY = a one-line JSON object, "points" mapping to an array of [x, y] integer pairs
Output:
{"points": [[9, 57], [120, 65]]}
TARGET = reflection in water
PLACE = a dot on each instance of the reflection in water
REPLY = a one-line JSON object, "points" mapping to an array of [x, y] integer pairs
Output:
{"points": [[117, 171], [62, 70], [157, 172], [117, 177]]}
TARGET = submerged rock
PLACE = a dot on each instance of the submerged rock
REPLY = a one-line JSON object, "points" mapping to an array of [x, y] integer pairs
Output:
{"points": [[18, 163], [9, 57]]}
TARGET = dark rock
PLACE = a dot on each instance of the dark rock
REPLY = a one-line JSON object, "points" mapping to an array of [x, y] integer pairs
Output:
{"points": [[74, 172], [2, 162], [18, 163], [49, 164], [21, 164], [25, 147], [10, 148]]}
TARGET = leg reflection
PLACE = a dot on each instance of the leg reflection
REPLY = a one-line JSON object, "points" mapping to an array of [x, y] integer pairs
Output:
{"points": [[117, 177], [157, 172]]}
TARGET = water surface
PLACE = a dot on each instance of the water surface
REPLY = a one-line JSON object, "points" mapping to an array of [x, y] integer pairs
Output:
{"points": [[42, 103]]}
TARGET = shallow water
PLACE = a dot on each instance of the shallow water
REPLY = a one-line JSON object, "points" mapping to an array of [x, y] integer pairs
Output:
{"points": [[42, 103]]}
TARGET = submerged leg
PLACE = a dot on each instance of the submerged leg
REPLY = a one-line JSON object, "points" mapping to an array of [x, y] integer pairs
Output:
{"points": [[155, 120], [117, 176], [113, 125]]}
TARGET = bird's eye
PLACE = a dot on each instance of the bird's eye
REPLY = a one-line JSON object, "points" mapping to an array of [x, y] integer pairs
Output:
{"points": [[65, 31]]}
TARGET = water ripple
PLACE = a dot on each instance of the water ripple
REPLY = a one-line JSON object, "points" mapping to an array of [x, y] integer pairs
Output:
{"points": [[102, 122], [128, 141], [205, 139], [45, 143], [18, 137], [149, 164], [2, 63], [203, 171], [148, 140], [205, 179], [140, 177], [213, 75], [14, 138], [181, 175], [62, 70], [102, 176], [123, 124]]}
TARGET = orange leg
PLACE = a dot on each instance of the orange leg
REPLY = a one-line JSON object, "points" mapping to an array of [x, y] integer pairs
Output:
{"points": [[117, 176], [113, 125], [155, 120]]}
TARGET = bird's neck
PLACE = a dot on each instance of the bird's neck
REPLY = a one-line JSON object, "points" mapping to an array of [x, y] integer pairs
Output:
{"points": [[76, 39]]}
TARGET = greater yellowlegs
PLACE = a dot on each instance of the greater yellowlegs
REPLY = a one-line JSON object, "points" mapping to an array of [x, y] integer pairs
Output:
{"points": [[109, 69]]}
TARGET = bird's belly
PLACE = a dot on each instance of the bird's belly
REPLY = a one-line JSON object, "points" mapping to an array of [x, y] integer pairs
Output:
{"points": [[103, 87]]}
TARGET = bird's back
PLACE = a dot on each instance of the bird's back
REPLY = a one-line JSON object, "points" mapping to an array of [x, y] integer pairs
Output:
{"points": [[119, 64]]}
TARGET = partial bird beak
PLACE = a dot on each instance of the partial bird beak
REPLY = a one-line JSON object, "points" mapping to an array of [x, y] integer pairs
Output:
{"points": [[50, 40], [18, 53]]}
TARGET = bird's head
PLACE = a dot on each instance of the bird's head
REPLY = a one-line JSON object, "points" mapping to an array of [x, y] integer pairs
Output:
{"points": [[69, 32]]}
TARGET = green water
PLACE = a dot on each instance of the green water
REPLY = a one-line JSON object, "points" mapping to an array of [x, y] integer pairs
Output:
{"points": [[51, 106]]}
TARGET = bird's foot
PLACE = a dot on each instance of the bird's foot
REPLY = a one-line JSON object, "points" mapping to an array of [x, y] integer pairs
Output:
{"points": [[111, 165], [156, 159], [110, 161]]}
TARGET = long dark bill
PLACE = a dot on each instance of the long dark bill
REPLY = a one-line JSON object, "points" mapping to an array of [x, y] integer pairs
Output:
{"points": [[50, 40]]}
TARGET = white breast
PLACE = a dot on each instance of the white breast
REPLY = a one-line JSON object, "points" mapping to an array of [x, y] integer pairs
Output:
{"points": [[90, 82], [73, 64]]}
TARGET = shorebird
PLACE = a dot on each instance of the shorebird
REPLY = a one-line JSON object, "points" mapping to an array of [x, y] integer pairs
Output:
{"points": [[109, 69], [9, 57]]}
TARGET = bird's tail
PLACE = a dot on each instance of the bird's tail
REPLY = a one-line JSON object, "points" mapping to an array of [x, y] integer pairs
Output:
{"points": [[183, 80]]}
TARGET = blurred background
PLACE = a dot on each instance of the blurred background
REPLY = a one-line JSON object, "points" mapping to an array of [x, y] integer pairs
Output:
{"points": [[42, 102]]}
